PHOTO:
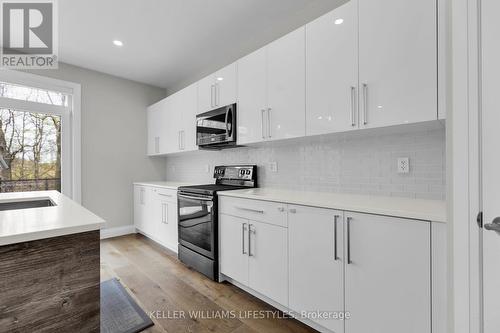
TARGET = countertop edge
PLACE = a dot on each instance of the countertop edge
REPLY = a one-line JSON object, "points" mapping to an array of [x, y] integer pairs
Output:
{"points": [[44, 234], [351, 208]]}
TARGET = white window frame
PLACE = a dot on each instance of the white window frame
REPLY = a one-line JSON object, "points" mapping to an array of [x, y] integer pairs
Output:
{"points": [[70, 122]]}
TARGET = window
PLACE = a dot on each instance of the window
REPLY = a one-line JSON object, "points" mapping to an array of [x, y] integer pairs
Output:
{"points": [[39, 134]]}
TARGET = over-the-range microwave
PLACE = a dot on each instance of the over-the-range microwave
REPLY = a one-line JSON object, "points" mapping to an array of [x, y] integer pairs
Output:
{"points": [[216, 129]]}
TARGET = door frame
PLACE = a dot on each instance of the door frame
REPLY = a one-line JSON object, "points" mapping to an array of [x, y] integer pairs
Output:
{"points": [[464, 170]]}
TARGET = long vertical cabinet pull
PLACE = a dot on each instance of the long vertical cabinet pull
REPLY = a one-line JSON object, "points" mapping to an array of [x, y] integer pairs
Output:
{"points": [[353, 106], [212, 93], [142, 195], [335, 252], [163, 212], [250, 232], [179, 140], [217, 94], [157, 144], [243, 229], [365, 103], [349, 219], [263, 111], [269, 122]]}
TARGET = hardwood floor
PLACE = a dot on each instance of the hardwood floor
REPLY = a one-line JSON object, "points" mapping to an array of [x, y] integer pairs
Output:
{"points": [[175, 294]]}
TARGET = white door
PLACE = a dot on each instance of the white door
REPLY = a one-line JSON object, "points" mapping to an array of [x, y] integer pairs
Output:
{"points": [[206, 94], [397, 62], [139, 206], [316, 260], [225, 81], [268, 261], [332, 71], [233, 251], [154, 120], [167, 227], [491, 164], [188, 118], [252, 100], [387, 274], [150, 211], [286, 86]]}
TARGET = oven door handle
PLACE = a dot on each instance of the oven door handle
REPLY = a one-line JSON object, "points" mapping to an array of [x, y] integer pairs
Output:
{"points": [[195, 198]]}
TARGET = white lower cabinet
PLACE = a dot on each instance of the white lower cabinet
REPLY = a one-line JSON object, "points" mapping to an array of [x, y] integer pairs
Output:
{"points": [[316, 263], [255, 254], [387, 274], [375, 269], [155, 214]]}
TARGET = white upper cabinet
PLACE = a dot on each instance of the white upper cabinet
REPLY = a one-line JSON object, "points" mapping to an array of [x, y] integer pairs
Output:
{"points": [[316, 259], [286, 86], [252, 97], [218, 89], [156, 122], [186, 130], [332, 71], [388, 273], [225, 85], [397, 62]]}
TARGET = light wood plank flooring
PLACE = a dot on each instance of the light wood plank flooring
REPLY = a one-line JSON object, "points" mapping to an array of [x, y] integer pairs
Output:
{"points": [[159, 282]]}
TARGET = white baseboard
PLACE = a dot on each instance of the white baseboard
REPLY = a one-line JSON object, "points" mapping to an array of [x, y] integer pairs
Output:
{"points": [[117, 231]]}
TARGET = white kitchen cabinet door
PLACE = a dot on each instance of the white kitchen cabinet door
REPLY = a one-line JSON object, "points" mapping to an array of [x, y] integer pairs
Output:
{"points": [[155, 114], [397, 62], [332, 71], [139, 206], [233, 250], [188, 118], [167, 227], [316, 260], [172, 124], [286, 86], [150, 212], [268, 261], [206, 94], [225, 85], [387, 274], [252, 100]]}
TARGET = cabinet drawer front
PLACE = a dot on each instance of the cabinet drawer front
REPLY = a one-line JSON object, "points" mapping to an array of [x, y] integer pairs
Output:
{"points": [[256, 210], [166, 194]]}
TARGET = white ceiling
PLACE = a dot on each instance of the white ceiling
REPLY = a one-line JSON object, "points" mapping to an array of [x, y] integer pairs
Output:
{"points": [[170, 43]]}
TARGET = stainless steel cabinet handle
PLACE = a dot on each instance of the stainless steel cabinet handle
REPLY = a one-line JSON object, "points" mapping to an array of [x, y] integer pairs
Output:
{"points": [[365, 103], [183, 139], [165, 195], [292, 210], [269, 132], [250, 210], [157, 144], [250, 232], [335, 254], [349, 219], [212, 94], [353, 106], [243, 229], [494, 225], [179, 140], [164, 213], [142, 196], [217, 94], [263, 111]]}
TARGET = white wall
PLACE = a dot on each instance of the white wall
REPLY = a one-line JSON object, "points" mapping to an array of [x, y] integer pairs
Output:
{"points": [[113, 124], [361, 162]]}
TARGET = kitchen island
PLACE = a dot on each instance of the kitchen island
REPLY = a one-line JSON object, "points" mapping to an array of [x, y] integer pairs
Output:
{"points": [[49, 264]]}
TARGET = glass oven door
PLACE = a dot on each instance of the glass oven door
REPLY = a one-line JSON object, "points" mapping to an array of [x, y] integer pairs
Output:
{"points": [[197, 223]]}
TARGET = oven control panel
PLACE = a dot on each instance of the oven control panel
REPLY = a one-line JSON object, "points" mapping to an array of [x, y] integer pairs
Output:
{"points": [[244, 172]]}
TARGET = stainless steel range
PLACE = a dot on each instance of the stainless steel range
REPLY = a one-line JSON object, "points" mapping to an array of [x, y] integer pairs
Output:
{"points": [[198, 215]]}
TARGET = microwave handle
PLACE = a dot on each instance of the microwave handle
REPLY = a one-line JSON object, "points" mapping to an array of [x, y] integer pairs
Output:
{"points": [[225, 121]]}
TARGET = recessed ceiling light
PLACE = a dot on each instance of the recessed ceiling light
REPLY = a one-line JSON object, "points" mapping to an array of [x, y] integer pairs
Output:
{"points": [[220, 78], [339, 21], [118, 42]]}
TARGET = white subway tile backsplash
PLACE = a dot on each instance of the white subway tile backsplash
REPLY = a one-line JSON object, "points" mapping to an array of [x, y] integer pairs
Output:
{"points": [[359, 164]]}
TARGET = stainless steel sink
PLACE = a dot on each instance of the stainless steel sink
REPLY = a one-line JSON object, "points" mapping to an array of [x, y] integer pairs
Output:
{"points": [[25, 204]]}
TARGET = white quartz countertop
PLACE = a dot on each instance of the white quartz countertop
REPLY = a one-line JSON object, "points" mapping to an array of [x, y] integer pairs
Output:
{"points": [[429, 210], [170, 185], [65, 218]]}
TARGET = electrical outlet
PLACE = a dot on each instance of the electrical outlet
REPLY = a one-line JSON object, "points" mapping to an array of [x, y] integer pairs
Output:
{"points": [[273, 166], [403, 165]]}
